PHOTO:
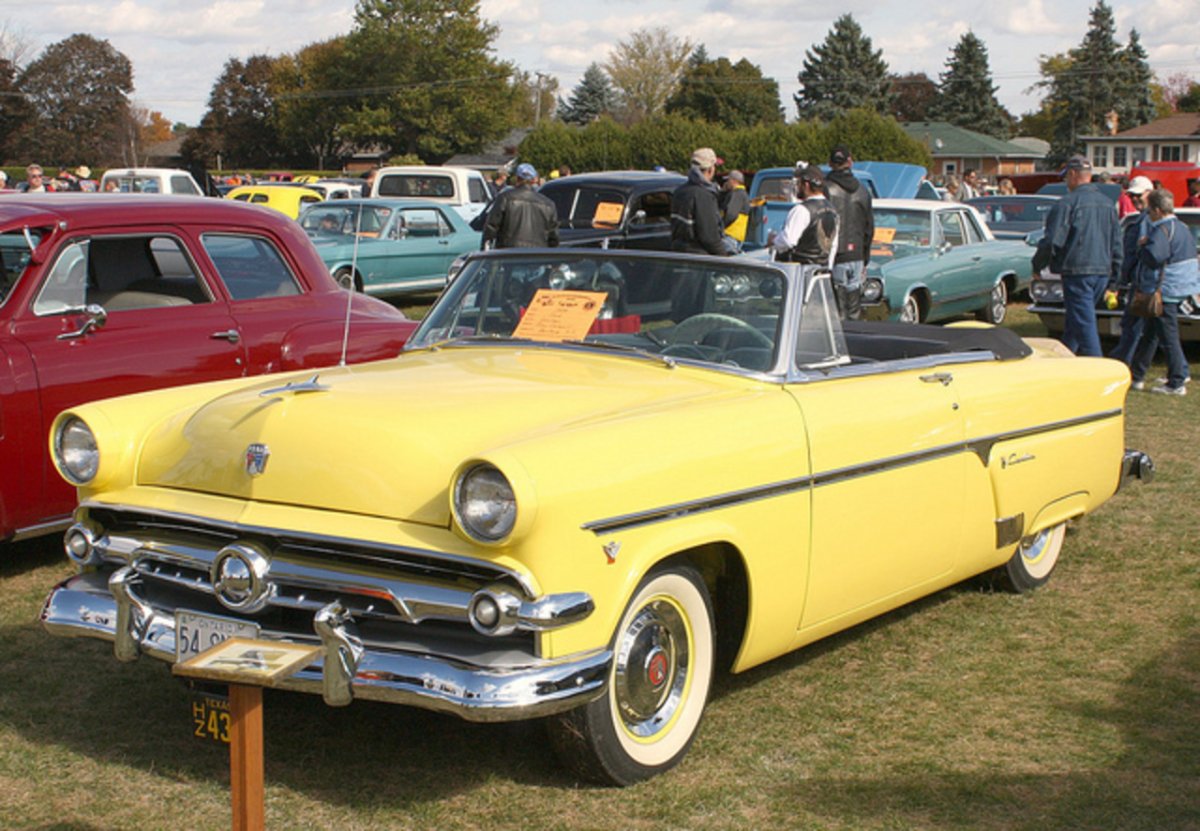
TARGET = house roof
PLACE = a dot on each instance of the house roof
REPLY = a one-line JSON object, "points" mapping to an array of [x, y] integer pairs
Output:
{"points": [[946, 140], [1180, 125]]}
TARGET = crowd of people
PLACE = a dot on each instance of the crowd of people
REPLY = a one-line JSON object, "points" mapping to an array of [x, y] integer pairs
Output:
{"points": [[67, 180]]}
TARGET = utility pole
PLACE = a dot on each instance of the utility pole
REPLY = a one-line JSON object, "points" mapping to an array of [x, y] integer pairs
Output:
{"points": [[537, 112]]}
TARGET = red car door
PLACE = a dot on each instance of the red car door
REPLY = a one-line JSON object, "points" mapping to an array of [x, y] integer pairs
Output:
{"points": [[152, 321]]}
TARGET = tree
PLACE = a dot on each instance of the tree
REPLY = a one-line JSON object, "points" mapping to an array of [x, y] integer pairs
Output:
{"points": [[912, 95], [735, 95], [311, 100], [593, 97], [16, 114], [966, 94], [428, 85], [536, 94], [1189, 102], [842, 73], [238, 127], [645, 71], [1135, 104], [1175, 87]]}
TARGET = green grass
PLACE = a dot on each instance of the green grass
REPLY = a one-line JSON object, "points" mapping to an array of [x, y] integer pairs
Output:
{"points": [[1075, 707]]}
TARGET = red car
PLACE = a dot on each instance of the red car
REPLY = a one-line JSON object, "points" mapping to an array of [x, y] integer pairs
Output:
{"points": [[103, 296]]}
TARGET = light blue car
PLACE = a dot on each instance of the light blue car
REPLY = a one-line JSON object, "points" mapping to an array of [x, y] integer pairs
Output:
{"points": [[388, 246]]}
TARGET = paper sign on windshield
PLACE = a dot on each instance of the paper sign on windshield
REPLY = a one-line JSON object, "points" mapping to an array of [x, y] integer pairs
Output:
{"points": [[608, 213], [560, 315], [884, 234]]}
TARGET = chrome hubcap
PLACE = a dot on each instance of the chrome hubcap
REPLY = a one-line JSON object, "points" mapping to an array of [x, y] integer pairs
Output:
{"points": [[652, 668]]}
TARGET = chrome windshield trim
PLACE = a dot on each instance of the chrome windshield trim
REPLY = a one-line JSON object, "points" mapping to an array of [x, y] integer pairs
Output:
{"points": [[980, 447]]}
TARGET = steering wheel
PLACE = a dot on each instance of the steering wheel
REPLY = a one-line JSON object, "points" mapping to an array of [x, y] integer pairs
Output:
{"points": [[696, 327]]}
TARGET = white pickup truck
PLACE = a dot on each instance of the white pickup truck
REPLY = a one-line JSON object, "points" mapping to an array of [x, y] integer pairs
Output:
{"points": [[462, 188]]}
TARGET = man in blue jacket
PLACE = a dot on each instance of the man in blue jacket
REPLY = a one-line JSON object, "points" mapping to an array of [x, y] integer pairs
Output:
{"points": [[1082, 242]]}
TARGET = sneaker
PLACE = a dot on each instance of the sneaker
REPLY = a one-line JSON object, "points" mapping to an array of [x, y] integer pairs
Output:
{"points": [[1162, 382], [1166, 390], [1138, 385]]}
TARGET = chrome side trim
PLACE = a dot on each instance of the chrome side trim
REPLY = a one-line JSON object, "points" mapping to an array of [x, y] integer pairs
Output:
{"points": [[51, 526], [981, 447], [82, 606], [1009, 530]]}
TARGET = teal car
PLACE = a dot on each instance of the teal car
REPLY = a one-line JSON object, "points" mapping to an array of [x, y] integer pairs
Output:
{"points": [[936, 260], [388, 246]]}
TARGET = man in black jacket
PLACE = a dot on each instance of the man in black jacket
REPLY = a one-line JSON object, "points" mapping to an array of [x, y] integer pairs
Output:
{"points": [[520, 217], [696, 225], [852, 201]]}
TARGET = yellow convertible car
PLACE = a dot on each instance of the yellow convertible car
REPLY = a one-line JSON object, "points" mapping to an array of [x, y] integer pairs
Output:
{"points": [[593, 479]]}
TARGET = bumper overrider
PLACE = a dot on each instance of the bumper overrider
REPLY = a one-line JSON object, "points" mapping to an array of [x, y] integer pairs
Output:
{"points": [[401, 625]]}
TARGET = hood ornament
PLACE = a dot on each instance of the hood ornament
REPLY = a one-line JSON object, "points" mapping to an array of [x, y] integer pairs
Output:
{"points": [[256, 459], [294, 387]]}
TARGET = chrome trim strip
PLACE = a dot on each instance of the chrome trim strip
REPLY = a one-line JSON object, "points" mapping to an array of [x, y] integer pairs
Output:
{"points": [[351, 544], [83, 607], [1009, 530], [981, 447], [40, 529]]}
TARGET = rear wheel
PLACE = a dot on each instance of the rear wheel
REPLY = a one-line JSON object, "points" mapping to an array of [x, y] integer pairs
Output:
{"points": [[996, 307], [662, 664], [1034, 560], [347, 279]]}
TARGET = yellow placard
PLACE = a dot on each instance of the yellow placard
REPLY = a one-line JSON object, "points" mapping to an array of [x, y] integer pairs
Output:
{"points": [[608, 213], [560, 315], [884, 234], [248, 661]]}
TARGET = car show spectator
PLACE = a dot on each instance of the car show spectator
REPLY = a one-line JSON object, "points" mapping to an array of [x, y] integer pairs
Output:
{"points": [[1135, 229], [1193, 197], [3, 180], [520, 217], [1169, 265], [1005, 187], [33, 180], [734, 203], [696, 225], [810, 233], [1082, 242], [368, 185], [856, 220], [969, 187]]}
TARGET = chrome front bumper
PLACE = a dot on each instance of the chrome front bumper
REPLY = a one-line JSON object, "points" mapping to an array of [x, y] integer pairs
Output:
{"points": [[109, 608]]}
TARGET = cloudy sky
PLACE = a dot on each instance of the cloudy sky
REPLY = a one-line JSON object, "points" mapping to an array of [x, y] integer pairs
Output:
{"points": [[178, 47]]}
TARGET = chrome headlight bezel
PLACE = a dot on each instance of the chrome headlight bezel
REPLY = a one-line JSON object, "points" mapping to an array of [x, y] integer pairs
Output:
{"points": [[1046, 291], [76, 453], [872, 290], [485, 504]]}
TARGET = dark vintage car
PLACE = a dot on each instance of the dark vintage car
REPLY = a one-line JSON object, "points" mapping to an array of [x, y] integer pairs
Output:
{"points": [[620, 209], [1046, 292], [1012, 217], [102, 297]]}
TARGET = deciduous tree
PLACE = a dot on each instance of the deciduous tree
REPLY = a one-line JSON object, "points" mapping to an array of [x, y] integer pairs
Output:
{"points": [[912, 95], [842, 73], [239, 125], [645, 70], [731, 94]]}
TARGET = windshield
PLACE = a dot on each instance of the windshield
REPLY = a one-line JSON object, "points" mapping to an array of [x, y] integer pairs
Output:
{"points": [[726, 312], [14, 256], [900, 233]]}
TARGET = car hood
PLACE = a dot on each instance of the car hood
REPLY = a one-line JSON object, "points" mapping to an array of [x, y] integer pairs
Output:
{"points": [[384, 439]]}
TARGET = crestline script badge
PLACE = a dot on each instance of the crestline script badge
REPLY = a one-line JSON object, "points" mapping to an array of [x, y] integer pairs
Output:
{"points": [[256, 459]]}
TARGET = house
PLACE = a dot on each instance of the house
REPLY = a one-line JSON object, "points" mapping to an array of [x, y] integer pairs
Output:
{"points": [[1175, 138], [495, 156], [957, 149]]}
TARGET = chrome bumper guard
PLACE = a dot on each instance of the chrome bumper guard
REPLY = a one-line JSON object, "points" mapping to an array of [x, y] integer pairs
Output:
{"points": [[89, 605], [1136, 465]]}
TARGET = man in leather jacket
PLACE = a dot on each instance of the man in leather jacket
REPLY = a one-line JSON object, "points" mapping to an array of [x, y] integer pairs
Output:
{"points": [[852, 201], [810, 233], [520, 217], [696, 225]]}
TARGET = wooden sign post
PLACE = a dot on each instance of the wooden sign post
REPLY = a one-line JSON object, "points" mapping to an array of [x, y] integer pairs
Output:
{"points": [[247, 666]]}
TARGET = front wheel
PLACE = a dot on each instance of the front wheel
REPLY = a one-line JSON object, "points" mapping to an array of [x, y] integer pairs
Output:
{"points": [[1034, 560], [997, 305], [910, 312], [662, 664], [347, 279]]}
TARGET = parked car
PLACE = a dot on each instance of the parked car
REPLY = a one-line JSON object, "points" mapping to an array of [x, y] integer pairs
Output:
{"points": [[936, 260], [463, 188], [103, 297], [160, 180], [330, 188], [593, 479], [287, 199], [388, 246], [1046, 293], [1013, 217], [615, 209]]}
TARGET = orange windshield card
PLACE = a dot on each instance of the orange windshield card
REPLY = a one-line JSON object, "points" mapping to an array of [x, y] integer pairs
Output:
{"points": [[560, 315], [884, 234], [608, 213]]}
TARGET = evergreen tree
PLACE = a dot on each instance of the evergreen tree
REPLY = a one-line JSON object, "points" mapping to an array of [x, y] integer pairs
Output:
{"points": [[720, 92], [1135, 104], [843, 73], [1085, 90], [966, 94], [592, 97]]}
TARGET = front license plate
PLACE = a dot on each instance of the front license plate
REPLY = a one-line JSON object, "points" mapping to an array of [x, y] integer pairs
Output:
{"points": [[196, 632]]}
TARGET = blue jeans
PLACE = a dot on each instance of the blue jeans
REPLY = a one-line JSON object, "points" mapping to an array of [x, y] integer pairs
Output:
{"points": [[847, 287], [1161, 331], [1132, 327], [1081, 293]]}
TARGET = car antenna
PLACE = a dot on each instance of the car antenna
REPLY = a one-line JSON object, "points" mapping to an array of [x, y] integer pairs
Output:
{"points": [[350, 288]]}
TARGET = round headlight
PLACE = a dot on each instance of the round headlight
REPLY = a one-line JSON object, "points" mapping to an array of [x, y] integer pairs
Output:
{"points": [[872, 290], [75, 451], [485, 504]]}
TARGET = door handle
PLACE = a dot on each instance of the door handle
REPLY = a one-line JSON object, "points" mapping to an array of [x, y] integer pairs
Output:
{"points": [[943, 378], [230, 335]]}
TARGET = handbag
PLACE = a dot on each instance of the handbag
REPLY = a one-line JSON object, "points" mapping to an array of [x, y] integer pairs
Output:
{"points": [[1148, 303]]}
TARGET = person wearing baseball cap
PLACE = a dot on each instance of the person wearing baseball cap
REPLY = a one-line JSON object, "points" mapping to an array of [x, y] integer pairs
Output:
{"points": [[520, 217], [1135, 229], [1082, 242], [695, 214], [810, 232], [856, 215]]}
